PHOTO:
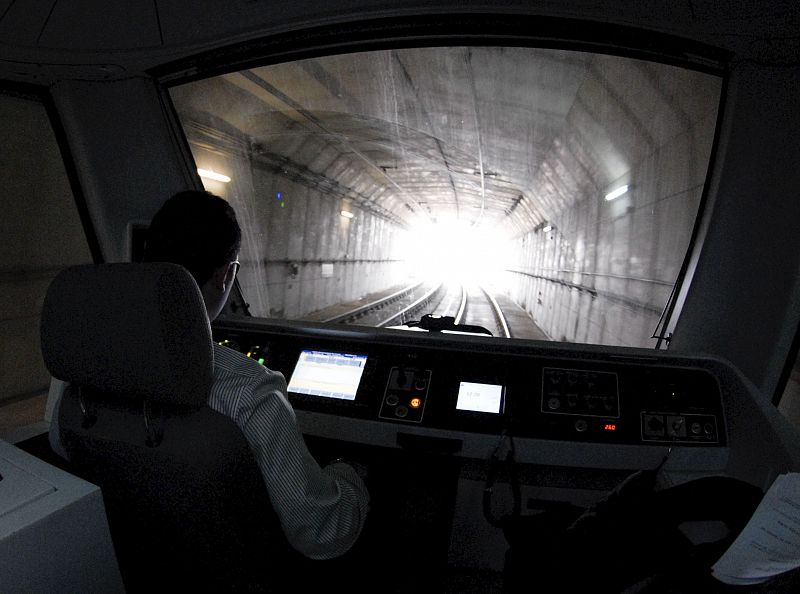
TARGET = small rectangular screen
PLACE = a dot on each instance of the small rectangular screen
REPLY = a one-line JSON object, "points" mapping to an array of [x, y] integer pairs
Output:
{"points": [[479, 397], [326, 374]]}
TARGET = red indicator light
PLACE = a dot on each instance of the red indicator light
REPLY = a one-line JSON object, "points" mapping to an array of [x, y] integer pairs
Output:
{"points": [[610, 427], [415, 402]]}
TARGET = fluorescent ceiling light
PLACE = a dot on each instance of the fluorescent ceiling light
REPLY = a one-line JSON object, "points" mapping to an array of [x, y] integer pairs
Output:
{"points": [[213, 175], [347, 214], [617, 193]]}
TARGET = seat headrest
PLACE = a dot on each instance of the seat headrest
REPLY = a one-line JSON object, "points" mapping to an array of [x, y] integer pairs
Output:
{"points": [[132, 330]]}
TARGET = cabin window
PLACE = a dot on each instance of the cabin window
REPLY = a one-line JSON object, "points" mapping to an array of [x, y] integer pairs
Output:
{"points": [[562, 185], [42, 233]]}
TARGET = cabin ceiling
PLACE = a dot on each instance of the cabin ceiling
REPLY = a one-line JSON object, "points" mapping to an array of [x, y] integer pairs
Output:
{"points": [[108, 38]]}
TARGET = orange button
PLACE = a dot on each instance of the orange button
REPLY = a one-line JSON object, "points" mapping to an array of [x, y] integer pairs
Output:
{"points": [[415, 403]]}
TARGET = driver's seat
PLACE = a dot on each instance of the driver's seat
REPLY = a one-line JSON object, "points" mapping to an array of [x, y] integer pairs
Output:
{"points": [[186, 503]]}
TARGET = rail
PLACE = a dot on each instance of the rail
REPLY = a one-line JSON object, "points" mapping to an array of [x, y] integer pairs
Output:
{"points": [[498, 313], [463, 306], [356, 313], [417, 305]]}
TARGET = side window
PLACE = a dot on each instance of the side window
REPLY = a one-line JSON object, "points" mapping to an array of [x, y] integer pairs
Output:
{"points": [[41, 234]]}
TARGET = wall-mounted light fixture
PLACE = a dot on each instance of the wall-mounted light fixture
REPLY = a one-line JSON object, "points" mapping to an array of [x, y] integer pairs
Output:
{"points": [[547, 228], [617, 193], [347, 214], [208, 174]]}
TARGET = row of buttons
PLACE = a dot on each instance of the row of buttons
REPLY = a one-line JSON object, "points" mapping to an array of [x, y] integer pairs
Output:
{"points": [[589, 402], [677, 427], [405, 394], [402, 410], [575, 392]]}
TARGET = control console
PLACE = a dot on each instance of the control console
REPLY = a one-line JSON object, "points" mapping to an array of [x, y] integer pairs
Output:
{"points": [[490, 387]]}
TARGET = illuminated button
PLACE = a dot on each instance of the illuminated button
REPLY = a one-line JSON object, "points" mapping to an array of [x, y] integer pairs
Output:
{"points": [[391, 400], [415, 403], [554, 404], [401, 411], [581, 425]]}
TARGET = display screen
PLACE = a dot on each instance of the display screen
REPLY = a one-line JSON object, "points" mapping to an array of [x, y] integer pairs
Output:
{"points": [[327, 374], [480, 397]]}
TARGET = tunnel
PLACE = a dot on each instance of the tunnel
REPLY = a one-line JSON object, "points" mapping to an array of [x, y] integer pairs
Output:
{"points": [[563, 184]]}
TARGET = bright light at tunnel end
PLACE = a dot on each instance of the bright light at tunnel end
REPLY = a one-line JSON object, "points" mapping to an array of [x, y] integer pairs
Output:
{"points": [[617, 193], [457, 252]]}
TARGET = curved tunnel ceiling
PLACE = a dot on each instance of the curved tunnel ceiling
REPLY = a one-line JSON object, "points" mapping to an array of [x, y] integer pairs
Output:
{"points": [[506, 137]]}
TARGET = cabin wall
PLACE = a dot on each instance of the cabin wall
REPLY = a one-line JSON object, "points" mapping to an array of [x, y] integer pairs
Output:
{"points": [[743, 302], [41, 234], [127, 156]]}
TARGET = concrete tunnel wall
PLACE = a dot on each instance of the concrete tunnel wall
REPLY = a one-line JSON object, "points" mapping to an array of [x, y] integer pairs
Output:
{"points": [[604, 273], [299, 254]]}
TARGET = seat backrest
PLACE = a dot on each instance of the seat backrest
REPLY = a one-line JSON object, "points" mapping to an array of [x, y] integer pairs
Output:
{"points": [[186, 504]]}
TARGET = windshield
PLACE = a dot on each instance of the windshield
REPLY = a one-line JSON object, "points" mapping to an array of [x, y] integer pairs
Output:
{"points": [[535, 193]]}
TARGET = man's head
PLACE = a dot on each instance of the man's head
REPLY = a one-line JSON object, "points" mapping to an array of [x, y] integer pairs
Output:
{"points": [[199, 231]]}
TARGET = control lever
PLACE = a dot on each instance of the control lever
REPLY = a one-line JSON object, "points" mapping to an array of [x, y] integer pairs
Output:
{"points": [[434, 323]]}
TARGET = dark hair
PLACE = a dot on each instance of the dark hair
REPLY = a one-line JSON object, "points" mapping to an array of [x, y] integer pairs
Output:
{"points": [[195, 229]]}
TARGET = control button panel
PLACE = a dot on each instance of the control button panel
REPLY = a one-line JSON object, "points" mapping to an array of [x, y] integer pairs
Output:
{"points": [[405, 395], [680, 428], [580, 392]]}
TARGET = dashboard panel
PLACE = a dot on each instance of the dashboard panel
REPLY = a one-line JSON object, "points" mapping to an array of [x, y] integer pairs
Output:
{"points": [[459, 395]]}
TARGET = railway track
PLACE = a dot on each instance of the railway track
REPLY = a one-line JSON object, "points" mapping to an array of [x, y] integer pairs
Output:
{"points": [[473, 305]]}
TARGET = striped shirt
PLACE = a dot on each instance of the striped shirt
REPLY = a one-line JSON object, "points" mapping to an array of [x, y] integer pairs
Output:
{"points": [[321, 510]]}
